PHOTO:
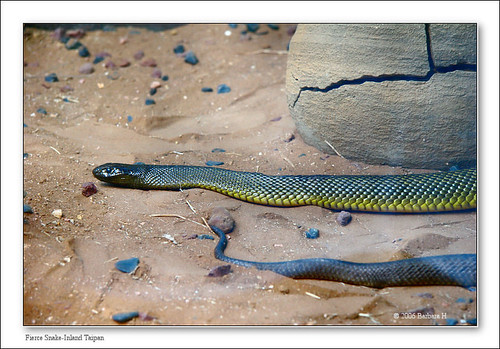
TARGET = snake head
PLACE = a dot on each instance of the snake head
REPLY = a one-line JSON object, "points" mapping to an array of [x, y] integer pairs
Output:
{"points": [[118, 174]]}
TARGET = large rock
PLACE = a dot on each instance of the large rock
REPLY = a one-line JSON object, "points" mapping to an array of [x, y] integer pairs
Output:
{"points": [[377, 94]]}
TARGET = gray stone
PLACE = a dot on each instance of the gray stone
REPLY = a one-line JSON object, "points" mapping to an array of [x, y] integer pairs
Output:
{"points": [[416, 119], [453, 44]]}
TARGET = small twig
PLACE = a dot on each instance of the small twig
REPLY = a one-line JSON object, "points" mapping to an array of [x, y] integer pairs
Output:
{"points": [[54, 149], [335, 150], [191, 207], [174, 215], [287, 160], [313, 295], [111, 260]]}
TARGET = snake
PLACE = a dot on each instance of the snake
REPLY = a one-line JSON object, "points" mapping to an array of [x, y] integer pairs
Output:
{"points": [[411, 193]]}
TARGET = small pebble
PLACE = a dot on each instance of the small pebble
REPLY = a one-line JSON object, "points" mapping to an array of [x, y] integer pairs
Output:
{"points": [[27, 208], [276, 119], [129, 118], [273, 26], [312, 233], [76, 33], [103, 54], [57, 213], [214, 163], [164, 77], [152, 91], [222, 219], [288, 137], [127, 265], [344, 218], [109, 64], [156, 73], [123, 40], [191, 58], [64, 39], [58, 33], [227, 33], [464, 300], [139, 55], [451, 322], [145, 317], [114, 75], [51, 78], [83, 52], [155, 84], [73, 44], [150, 101], [87, 68], [253, 27], [25, 155], [232, 25], [262, 33], [223, 88], [123, 63], [98, 59], [150, 62], [88, 189], [179, 49], [220, 270], [124, 317], [205, 237], [41, 111], [66, 88], [218, 150], [291, 30], [207, 89]]}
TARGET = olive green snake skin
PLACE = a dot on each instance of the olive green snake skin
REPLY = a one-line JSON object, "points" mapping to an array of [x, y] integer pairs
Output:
{"points": [[414, 193]]}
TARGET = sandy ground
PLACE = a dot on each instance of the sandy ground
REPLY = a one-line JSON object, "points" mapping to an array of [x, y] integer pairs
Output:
{"points": [[69, 274]]}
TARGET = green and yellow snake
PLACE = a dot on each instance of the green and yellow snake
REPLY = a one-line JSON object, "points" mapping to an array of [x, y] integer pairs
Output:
{"points": [[414, 193]]}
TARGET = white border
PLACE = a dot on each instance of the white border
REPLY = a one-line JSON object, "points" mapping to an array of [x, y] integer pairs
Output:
{"points": [[486, 14]]}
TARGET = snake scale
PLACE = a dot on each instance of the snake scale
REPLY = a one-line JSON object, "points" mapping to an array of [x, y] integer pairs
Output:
{"points": [[413, 193]]}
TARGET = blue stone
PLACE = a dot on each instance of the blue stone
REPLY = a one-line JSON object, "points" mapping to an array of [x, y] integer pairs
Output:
{"points": [[232, 25], [273, 26], [127, 265], [134, 32], [214, 163], [253, 27], [150, 101], [454, 168], [205, 237], [464, 300], [83, 52], [179, 49], [207, 89], [51, 78], [73, 44], [139, 163], [27, 209], [191, 58], [218, 150], [65, 100], [312, 233], [301, 155], [25, 155], [24, 125], [164, 77], [223, 88], [98, 59], [41, 111], [472, 321], [152, 91], [124, 317], [64, 39], [129, 118], [451, 322]]}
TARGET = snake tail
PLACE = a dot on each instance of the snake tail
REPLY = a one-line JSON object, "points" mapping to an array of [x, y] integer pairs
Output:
{"points": [[444, 270], [413, 193]]}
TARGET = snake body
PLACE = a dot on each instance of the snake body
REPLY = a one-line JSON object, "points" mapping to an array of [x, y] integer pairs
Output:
{"points": [[446, 270], [415, 193]]}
